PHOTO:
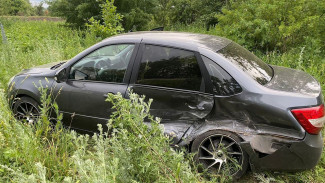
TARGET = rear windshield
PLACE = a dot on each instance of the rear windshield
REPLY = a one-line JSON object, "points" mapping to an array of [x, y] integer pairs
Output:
{"points": [[248, 62]]}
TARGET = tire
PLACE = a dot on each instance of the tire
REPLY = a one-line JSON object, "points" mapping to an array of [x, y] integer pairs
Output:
{"points": [[221, 157], [27, 110]]}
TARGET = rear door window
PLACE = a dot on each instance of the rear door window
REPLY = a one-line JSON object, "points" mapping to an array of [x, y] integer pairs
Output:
{"points": [[222, 83], [170, 67]]}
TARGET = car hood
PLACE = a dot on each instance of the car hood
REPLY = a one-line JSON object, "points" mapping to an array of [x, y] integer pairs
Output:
{"points": [[42, 69], [295, 81]]}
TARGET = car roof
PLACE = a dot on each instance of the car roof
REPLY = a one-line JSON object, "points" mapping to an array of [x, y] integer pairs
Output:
{"points": [[177, 39]]}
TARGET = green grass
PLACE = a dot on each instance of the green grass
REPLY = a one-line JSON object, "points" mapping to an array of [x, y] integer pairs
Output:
{"points": [[32, 43], [27, 154]]}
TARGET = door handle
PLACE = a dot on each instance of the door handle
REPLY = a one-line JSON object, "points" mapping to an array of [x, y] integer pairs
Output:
{"points": [[106, 95]]}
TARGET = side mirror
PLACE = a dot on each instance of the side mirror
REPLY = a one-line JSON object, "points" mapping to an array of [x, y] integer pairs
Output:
{"points": [[61, 76]]}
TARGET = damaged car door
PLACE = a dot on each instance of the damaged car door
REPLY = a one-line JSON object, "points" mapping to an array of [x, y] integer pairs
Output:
{"points": [[173, 78]]}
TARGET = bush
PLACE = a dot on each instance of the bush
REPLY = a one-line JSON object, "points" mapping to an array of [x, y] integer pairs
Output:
{"points": [[111, 24], [199, 11], [273, 25], [75, 12]]}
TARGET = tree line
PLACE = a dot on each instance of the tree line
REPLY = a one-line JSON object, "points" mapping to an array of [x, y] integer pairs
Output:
{"points": [[266, 25], [21, 8], [140, 14]]}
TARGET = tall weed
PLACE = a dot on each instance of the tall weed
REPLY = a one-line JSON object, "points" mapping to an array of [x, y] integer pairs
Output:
{"points": [[130, 151]]}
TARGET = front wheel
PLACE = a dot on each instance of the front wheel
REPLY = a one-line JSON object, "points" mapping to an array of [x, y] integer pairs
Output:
{"points": [[219, 152], [26, 109]]}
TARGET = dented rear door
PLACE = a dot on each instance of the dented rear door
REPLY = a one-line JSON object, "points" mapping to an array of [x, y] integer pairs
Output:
{"points": [[176, 81], [174, 105]]}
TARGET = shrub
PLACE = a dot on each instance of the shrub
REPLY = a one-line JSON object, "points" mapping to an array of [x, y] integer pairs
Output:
{"points": [[273, 25], [111, 24]]}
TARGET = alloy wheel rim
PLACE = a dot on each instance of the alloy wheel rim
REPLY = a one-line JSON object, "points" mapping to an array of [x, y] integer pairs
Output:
{"points": [[27, 112], [220, 152]]}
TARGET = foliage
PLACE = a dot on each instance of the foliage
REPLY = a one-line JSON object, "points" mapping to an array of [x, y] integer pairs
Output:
{"points": [[76, 12], [161, 16], [15, 7], [273, 25], [137, 14], [142, 14], [188, 12], [39, 9], [28, 149], [111, 21]]}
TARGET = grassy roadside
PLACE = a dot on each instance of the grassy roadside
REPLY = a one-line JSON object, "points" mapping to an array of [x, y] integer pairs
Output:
{"points": [[32, 43]]}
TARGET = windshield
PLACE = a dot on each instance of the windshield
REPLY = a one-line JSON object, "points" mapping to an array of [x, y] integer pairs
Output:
{"points": [[248, 62]]}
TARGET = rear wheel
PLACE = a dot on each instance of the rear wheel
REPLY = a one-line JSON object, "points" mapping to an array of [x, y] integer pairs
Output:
{"points": [[26, 109], [219, 152]]}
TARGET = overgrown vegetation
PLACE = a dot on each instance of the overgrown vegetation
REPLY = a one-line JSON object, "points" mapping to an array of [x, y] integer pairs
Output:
{"points": [[111, 24], [141, 14], [286, 33], [76, 12], [32, 43], [270, 25], [131, 152]]}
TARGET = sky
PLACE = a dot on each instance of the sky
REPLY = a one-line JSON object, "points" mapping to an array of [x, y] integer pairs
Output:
{"points": [[36, 2]]}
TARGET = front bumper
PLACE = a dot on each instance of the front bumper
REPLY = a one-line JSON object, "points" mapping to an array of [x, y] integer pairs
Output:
{"points": [[300, 155]]}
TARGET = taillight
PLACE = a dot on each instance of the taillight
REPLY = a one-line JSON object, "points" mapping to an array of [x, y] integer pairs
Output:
{"points": [[311, 119]]}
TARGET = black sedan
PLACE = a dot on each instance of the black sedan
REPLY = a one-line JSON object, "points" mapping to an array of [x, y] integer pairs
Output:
{"points": [[213, 96]]}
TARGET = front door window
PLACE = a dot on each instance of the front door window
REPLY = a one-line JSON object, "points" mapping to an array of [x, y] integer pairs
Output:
{"points": [[106, 64]]}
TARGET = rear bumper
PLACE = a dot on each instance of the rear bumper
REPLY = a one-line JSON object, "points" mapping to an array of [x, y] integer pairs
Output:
{"points": [[300, 155]]}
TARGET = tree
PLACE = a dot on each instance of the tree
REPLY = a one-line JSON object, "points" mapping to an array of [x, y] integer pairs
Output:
{"points": [[39, 9], [161, 12], [198, 11], [111, 21], [76, 12], [137, 14], [15, 7]]}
